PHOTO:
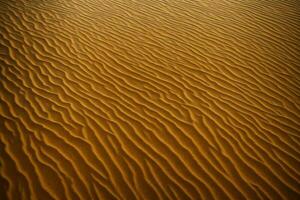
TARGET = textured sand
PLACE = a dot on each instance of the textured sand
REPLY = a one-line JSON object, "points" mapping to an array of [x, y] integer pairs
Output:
{"points": [[150, 99]]}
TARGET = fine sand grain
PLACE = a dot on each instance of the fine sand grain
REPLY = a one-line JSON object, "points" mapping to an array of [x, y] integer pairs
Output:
{"points": [[149, 99]]}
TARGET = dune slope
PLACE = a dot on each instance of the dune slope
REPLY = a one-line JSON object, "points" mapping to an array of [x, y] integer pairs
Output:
{"points": [[152, 99]]}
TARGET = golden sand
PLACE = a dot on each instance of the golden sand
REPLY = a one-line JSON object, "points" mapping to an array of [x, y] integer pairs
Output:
{"points": [[150, 99]]}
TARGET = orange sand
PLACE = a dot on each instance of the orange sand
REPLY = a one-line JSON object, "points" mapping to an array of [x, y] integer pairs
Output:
{"points": [[152, 99]]}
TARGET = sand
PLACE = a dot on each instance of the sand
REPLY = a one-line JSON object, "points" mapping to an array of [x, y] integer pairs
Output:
{"points": [[152, 99]]}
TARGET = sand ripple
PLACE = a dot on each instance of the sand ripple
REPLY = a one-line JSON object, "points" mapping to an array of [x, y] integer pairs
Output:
{"points": [[149, 99]]}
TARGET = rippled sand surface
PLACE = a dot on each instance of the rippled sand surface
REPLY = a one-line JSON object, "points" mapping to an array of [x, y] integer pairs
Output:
{"points": [[152, 99]]}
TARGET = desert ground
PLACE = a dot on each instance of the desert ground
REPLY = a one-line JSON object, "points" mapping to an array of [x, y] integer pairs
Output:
{"points": [[150, 99]]}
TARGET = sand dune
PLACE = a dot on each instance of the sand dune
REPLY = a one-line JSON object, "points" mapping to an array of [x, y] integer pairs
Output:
{"points": [[149, 99]]}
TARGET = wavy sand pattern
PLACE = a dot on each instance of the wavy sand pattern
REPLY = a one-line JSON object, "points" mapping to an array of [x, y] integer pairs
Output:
{"points": [[152, 99]]}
